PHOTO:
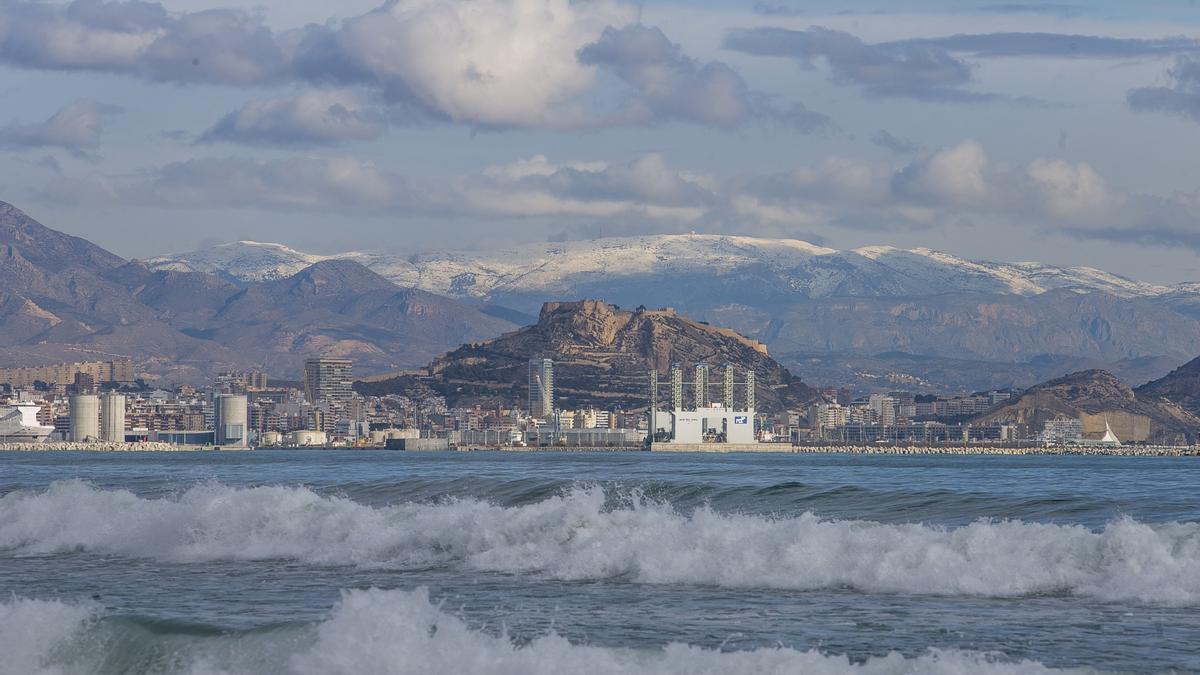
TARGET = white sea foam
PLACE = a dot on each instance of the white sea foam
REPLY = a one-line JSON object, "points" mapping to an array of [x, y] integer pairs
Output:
{"points": [[31, 630], [575, 537], [400, 632]]}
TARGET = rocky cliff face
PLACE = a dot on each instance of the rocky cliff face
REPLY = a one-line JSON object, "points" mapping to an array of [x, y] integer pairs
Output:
{"points": [[1097, 397], [602, 355]]}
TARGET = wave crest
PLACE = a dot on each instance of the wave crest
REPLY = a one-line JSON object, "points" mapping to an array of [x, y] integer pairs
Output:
{"points": [[401, 632], [579, 535]]}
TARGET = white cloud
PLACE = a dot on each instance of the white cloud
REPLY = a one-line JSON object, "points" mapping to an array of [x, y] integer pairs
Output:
{"points": [[955, 174], [646, 187], [314, 117], [338, 183], [77, 126], [542, 64], [486, 62], [1073, 191]]}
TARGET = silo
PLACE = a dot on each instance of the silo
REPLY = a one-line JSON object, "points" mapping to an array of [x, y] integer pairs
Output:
{"points": [[85, 417], [231, 420], [112, 418]]}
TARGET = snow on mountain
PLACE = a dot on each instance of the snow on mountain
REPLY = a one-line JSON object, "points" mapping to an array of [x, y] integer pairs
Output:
{"points": [[245, 260], [787, 266]]}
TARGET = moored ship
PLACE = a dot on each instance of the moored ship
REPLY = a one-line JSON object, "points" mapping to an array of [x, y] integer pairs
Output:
{"points": [[19, 424]]}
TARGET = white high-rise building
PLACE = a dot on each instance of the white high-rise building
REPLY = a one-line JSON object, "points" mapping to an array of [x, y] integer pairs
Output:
{"points": [[541, 388], [884, 408]]}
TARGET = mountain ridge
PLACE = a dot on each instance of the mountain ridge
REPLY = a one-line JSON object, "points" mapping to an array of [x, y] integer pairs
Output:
{"points": [[61, 297], [805, 269]]}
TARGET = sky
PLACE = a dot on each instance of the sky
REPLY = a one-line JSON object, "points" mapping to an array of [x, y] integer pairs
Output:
{"points": [[1055, 132]]}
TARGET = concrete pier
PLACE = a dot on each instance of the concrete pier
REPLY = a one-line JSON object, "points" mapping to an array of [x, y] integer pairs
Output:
{"points": [[1080, 450]]}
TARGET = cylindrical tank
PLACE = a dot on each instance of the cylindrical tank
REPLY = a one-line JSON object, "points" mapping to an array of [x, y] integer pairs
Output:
{"points": [[112, 418], [305, 439], [231, 420], [271, 438], [85, 417]]}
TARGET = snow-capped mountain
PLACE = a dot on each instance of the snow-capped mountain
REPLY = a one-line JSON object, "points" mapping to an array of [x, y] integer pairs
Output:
{"points": [[697, 263]]}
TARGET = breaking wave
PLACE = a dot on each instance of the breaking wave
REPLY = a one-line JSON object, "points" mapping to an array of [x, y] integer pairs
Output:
{"points": [[583, 535], [374, 631]]}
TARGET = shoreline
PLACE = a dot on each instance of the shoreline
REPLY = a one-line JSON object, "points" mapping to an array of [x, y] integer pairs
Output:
{"points": [[72, 446], [762, 448]]}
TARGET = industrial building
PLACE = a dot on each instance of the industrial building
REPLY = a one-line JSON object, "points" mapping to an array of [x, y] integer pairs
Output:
{"points": [[690, 424], [112, 418], [85, 418], [541, 388], [231, 420]]}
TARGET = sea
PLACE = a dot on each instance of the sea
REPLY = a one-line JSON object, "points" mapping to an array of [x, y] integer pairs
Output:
{"points": [[326, 561]]}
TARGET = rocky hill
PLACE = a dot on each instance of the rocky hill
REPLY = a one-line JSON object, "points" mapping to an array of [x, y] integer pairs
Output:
{"points": [[1181, 387], [1096, 397], [63, 298], [805, 300], [602, 355]]}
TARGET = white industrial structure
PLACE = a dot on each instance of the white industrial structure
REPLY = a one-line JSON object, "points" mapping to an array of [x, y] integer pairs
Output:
{"points": [[704, 421], [112, 418], [19, 424], [231, 418], [85, 417], [307, 439]]}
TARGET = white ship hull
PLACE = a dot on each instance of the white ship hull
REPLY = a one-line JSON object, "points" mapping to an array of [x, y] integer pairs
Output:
{"points": [[19, 424]]}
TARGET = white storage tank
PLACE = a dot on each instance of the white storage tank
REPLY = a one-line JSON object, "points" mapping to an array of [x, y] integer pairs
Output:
{"points": [[307, 439], [85, 417], [112, 418], [231, 418]]}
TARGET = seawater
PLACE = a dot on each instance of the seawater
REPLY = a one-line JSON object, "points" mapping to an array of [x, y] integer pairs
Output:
{"points": [[383, 562]]}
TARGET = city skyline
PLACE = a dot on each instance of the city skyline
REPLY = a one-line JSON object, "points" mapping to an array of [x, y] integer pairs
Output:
{"points": [[1021, 131]]}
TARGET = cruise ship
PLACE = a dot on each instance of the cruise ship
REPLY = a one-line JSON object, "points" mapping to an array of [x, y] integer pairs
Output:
{"points": [[19, 424]]}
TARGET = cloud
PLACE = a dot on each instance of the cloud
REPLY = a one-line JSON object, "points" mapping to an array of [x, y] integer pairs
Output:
{"points": [[670, 86], [1054, 45], [951, 175], [946, 188], [948, 185], [141, 39], [500, 64], [888, 141], [339, 183], [1046, 8], [931, 68], [1180, 97], [900, 70], [647, 187], [504, 63], [314, 117], [77, 126]]}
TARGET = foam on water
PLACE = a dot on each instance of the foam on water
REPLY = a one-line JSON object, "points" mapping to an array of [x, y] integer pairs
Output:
{"points": [[374, 631], [580, 535]]}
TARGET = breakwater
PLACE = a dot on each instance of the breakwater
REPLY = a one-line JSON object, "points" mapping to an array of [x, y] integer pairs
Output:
{"points": [[1081, 450], [72, 446]]}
